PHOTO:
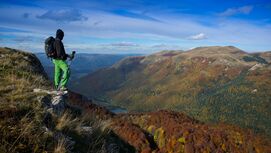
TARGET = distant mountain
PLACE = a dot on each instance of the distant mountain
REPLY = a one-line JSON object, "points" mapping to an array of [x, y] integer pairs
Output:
{"points": [[212, 84], [83, 63]]}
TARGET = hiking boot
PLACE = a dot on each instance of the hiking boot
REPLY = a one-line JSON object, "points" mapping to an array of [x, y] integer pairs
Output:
{"points": [[64, 90], [57, 87]]}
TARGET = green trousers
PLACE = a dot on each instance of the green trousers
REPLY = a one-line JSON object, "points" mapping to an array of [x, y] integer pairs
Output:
{"points": [[62, 73]]}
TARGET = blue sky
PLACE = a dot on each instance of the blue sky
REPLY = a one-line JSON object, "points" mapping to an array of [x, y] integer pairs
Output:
{"points": [[137, 26]]}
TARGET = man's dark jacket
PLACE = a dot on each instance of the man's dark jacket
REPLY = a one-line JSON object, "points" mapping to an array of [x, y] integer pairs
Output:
{"points": [[59, 47]]}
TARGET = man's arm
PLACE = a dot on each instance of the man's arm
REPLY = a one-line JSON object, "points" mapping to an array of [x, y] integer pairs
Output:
{"points": [[63, 53], [60, 50], [71, 56]]}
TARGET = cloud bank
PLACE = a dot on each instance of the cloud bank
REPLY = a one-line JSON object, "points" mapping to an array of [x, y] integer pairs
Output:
{"points": [[89, 26]]}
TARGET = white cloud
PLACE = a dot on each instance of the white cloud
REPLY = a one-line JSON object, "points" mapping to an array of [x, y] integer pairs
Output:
{"points": [[23, 39], [64, 15], [159, 46], [122, 44], [199, 36], [234, 11]]}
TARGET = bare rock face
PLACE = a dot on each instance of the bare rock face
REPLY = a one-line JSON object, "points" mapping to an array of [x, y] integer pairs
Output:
{"points": [[52, 101], [58, 104]]}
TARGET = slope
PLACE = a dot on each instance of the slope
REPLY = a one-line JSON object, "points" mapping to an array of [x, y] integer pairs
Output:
{"points": [[212, 84], [28, 122], [29, 119]]}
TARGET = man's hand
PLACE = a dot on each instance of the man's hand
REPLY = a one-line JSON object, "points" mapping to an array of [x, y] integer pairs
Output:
{"points": [[72, 55]]}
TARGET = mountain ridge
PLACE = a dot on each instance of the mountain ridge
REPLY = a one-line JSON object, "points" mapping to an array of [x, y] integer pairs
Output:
{"points": [[83, 63], [211, 87]]}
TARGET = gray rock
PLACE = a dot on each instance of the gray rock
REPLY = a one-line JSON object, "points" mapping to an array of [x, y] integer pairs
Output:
{"points": [[52, 101], [58, 104]]}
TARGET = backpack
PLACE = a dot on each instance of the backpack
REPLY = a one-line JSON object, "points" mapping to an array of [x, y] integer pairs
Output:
{"points": [[49, 47]]}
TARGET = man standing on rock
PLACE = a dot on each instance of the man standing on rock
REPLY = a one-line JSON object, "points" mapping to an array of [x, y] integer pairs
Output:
{"points": [[61, 66]]}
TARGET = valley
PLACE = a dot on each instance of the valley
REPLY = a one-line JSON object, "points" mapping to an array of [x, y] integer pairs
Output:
{"points": [[212, 84]]}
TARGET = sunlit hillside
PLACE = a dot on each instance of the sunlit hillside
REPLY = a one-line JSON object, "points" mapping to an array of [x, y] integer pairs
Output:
{"points": [[212, 84]]}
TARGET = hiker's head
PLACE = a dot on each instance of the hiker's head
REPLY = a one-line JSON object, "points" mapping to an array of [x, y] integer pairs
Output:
{"points": [[59, 34]]}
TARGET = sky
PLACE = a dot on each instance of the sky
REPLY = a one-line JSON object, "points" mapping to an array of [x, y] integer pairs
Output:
{"points": [[136, 26]]}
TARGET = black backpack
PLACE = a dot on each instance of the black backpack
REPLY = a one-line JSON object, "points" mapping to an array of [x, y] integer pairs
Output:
{"points": [[49, 47]]}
